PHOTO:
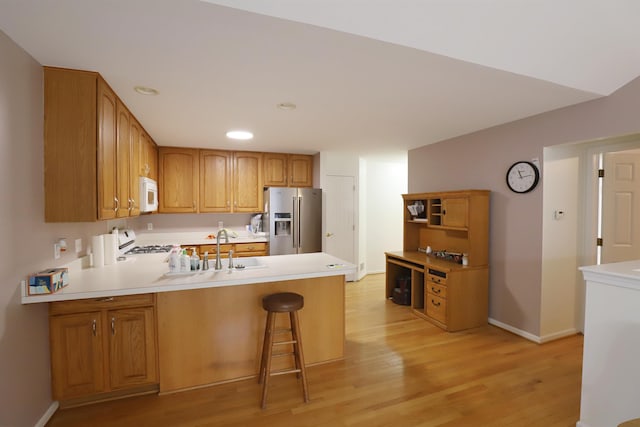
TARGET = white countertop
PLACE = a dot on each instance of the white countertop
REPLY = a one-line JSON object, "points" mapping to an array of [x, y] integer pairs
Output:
{"points": [[142, 274], [626, 274]]}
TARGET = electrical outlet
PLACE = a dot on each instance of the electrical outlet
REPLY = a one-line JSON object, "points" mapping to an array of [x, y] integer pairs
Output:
{"points": [[149, 226], [78, 245], [56, 251]]}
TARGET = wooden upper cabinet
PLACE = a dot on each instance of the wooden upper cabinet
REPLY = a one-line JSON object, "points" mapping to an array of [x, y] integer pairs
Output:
{"points": [[288, 170], [148, 157], [89, 152], [247, 181], [215, 181], [275, 169], [453, 221], [135, 136], [178, 182], [300, 170], [123, 150], [107, 151], [455, 212]]}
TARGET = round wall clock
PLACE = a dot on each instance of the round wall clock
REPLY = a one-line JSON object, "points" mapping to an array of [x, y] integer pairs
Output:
{"points": [[522, 177]]}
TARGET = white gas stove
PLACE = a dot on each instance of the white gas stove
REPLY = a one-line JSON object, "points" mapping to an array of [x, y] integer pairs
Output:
{"points": [[126, 245]]}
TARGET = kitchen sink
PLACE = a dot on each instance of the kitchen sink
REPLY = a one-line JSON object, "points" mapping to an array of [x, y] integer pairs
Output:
{"points": [[248, 263]]}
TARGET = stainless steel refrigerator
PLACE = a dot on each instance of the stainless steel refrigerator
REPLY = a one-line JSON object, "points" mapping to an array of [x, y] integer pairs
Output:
{"points": [[293, 220]]}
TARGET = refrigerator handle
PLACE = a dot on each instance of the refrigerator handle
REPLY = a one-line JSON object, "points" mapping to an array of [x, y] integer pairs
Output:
{"points": [[294, 234], [299, 222]]}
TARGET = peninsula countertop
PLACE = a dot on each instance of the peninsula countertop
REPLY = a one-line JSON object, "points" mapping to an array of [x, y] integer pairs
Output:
{"points": [[148, 273]]}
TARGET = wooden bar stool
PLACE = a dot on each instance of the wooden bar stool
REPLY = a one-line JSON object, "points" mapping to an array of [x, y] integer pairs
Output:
{"points": [[284, 302]]}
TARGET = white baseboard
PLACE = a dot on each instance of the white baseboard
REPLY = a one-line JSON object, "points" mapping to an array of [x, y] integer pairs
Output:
{"points": [[42, 422], [558, 335], [536, 339], [524, 334]]}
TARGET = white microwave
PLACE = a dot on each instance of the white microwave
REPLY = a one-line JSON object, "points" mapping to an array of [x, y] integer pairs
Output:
{"points": [[148, 195]]}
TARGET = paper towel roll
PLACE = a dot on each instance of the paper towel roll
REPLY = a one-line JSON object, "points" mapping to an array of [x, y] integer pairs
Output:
{"points": [[97, 246], [110, 249]]}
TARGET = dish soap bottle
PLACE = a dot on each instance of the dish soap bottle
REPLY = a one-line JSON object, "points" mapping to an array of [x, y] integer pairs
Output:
{"points": [[195, 260], [174, 260], [185, 262]]}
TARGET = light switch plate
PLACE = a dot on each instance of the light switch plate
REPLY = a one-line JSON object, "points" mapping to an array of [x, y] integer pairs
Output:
{"points": [[78, 245]]}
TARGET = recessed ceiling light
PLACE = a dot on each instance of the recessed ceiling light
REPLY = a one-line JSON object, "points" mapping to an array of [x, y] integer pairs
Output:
{"points": [[239, 134], [287, 106], [143, 90]]}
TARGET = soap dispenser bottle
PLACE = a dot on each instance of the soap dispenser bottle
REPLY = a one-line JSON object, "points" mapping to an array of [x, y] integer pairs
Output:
{"points": [[185, 262], [174, 260], [195, 260]]}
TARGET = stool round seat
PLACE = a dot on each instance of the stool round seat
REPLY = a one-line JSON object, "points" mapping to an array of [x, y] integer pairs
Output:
{"points": [[283, 302]]}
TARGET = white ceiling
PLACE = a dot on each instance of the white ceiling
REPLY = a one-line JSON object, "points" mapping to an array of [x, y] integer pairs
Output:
{"points": [[373, 76]]}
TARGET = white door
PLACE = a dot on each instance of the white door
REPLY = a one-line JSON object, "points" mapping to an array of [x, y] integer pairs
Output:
{"points": [[621, 207], [340, 217]]}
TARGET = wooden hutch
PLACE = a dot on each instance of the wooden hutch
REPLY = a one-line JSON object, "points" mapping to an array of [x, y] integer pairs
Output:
{"points": [[451, 295]]}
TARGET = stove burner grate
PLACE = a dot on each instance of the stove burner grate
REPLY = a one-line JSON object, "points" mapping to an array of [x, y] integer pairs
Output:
{"points": [[149, 249]]}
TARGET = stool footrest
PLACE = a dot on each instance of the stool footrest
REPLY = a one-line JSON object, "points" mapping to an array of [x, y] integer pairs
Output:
{"points": [[285, 371], [285, 342]]}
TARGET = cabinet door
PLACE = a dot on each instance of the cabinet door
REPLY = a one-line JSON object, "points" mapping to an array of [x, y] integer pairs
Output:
{"points": [[178, 183], [247, 180], [123, 150], [135, 135], [149, 163], [455, 212], [77, 358], [132, 347], [107, 152], [215, 181], [300, 170], [275, 170]]}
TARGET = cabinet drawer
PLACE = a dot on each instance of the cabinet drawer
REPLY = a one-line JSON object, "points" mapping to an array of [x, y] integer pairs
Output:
{"points": [[251, 247], [431, 278], [437, 290], [94, 304], [224, 248], [437, 308]]}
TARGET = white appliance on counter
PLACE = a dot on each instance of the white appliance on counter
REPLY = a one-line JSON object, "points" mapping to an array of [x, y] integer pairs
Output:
{"points": [[127, 246], [293, 220], [148, 195]]}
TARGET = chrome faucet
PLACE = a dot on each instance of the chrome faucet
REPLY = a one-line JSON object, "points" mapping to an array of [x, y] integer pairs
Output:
{"points": [[226, 237]]}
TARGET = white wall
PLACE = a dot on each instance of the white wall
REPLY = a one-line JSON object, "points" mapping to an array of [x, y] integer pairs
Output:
{"points": [[386, 181], [380, 182], [560, 245], [27, 241]]}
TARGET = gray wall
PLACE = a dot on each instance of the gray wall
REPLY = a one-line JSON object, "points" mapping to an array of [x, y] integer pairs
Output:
{"points": [[27, 242], [480, 160]]}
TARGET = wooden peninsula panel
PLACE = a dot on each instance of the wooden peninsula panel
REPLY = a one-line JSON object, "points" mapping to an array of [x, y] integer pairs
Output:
{"points": [[213, 335]]}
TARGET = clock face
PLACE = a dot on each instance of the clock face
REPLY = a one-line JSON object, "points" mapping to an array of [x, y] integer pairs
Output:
{"points": [[522, 177]]}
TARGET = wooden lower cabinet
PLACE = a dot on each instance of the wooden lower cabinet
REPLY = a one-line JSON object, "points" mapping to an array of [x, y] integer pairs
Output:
{"points": [[214, 335], [239, 249], [77, 358], [132, 347], [451, 296], [103, 348]]}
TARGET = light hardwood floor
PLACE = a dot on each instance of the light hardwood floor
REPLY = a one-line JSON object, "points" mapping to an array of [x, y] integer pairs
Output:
{"points": [[399, 370]]}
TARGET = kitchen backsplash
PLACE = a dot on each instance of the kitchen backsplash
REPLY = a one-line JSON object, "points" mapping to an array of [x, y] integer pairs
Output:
{"points": [[161, 223]]}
